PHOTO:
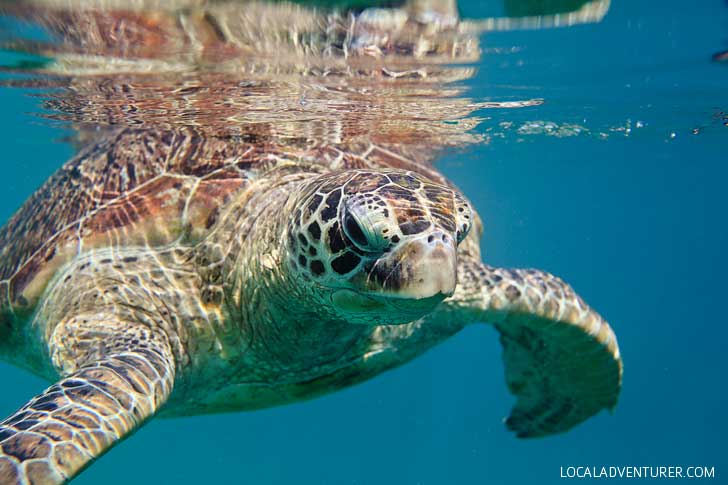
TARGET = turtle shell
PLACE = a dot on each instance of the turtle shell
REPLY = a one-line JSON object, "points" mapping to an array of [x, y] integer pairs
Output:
{"points": [[130, 188], [144, 187]]}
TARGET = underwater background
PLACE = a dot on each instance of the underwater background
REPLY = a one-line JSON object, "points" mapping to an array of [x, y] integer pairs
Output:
{"points": [[617, 183]]}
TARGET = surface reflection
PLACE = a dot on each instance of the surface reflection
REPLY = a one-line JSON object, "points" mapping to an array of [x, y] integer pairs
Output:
{"points": [[314, 73]]}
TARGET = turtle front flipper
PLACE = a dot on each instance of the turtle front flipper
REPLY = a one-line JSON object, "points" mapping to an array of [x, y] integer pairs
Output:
{"points": [[561, 358], [117, 381]]}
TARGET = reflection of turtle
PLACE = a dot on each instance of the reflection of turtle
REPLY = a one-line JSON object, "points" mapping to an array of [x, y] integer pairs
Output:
{"points": [[178, 271]]}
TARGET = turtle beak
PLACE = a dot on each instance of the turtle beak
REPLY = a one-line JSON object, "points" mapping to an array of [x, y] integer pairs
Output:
{"points": [[423, 268]]}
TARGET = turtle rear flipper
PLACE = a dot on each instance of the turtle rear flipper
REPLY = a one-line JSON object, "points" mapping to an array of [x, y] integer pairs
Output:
{"points": [[561, 358], [59, 432]]}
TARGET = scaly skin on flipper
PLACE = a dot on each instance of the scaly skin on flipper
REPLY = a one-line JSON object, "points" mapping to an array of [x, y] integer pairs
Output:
{"points": [[60, 431], [112, 338], [561, 358]]}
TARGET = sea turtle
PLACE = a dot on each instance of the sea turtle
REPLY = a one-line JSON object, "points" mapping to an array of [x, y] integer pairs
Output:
{"points": [[176, 272]]}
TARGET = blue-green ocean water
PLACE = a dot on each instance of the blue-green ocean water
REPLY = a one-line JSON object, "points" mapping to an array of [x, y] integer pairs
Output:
{"points": [[631, 210]]}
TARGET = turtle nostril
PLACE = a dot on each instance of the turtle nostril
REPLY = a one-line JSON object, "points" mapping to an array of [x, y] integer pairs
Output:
{"points": [[437, 237]]}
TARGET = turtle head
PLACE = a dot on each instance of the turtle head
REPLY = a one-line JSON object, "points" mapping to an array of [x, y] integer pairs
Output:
{"points": [[376, 247]]}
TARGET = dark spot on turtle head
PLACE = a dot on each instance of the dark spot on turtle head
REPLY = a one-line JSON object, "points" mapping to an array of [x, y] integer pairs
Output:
{"points": [[345, 263], [312, 251], [314, 230], [438, 193], [317, 267], [313, 204], [405, 180], [395, 239], [414, 227], [302, 238], [387, 277], [396, 193], [336, 239], [332, 206], [445, 219], [302, 260]]}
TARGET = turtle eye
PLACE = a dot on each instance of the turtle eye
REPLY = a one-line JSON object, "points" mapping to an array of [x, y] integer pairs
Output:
{"points": [[462, 232], [464, 221], [362, 234]]}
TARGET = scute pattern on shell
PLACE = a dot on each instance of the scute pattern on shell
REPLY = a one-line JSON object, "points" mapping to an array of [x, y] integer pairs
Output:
{"points": [[132, 187]]}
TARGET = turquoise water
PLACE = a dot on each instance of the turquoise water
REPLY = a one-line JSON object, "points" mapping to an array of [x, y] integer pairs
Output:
{"points": [[616, 183]]}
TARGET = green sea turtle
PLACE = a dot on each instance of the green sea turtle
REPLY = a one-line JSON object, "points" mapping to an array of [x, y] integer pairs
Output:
{"points": [[179, 270]]}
